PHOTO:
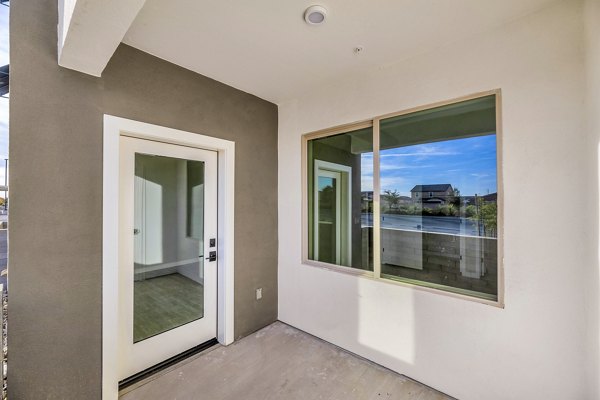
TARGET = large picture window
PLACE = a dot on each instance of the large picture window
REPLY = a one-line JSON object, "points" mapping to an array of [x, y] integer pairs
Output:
{"points": [[412, 198]]}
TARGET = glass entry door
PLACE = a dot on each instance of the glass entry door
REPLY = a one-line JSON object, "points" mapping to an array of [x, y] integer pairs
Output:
{"points": [[167, 274]]}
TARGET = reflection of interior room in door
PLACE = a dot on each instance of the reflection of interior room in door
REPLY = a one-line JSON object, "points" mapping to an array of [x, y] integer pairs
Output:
{"points": [[168, 213], [332, 215], [168, 242]]}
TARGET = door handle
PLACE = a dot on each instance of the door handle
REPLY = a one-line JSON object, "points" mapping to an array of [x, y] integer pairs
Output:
{"points": [[212, 256]]}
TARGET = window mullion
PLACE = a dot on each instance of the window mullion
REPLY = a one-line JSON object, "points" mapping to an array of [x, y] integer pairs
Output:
{"points": [[376, 203]]}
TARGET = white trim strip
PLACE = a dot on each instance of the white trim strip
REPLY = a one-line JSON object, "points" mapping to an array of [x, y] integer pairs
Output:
{"points": [[110, 260]]}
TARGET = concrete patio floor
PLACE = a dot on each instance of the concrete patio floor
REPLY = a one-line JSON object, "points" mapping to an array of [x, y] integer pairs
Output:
{"points": [[279, 362]]}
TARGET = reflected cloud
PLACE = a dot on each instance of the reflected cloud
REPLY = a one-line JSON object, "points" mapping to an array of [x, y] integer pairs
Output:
{"points": [[468, 163]]}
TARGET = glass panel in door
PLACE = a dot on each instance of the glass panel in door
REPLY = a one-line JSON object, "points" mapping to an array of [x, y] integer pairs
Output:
{"points": [[328, 218], [168, 234]]}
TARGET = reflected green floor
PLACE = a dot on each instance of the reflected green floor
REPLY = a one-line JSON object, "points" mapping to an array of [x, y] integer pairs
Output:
{"points": [[164, 303]]}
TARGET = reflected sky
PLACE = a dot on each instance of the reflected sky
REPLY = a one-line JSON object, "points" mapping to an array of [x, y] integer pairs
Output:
{"points": [[467, 164]]}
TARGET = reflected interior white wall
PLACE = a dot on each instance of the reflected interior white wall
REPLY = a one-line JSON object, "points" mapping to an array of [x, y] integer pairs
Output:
{"points": [[138, 220], [152, 223], [535, 347], [161, 217], [189, 247]]}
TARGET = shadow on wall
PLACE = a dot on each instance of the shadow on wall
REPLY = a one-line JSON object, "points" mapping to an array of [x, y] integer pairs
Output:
{"points": [[364, 328], [593, 299]]}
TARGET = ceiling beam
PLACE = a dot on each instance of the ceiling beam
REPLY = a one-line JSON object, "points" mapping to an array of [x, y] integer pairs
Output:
{"points": [[89, 31]]}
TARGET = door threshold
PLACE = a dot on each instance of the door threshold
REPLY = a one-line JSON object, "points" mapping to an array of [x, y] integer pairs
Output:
{"points": [[149, 372]]}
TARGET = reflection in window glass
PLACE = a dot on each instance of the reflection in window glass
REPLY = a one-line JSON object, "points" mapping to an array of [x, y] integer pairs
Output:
{"points": [[438, 192], [327, 200], [340, 200], [439, 198]]}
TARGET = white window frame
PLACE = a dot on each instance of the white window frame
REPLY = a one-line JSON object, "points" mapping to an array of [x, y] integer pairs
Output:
{"points": [[376, 273], [114, 127]]}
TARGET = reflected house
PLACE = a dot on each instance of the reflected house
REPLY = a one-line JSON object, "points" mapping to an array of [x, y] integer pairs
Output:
{"points": [[366, 198], [490, 198], [467, 200], [472, 200], [367, 195], [404, 200], [432, 196]]}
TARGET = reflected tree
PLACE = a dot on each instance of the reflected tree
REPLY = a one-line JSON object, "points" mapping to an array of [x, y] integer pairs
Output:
{"points": [[392, 197]]}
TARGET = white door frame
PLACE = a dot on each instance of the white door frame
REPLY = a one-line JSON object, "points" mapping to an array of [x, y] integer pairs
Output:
{"points": [[114, 127], [344, 192]]}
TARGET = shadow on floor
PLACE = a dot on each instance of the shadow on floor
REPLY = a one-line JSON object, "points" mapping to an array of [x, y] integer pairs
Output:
{"points": [[281, 362]]}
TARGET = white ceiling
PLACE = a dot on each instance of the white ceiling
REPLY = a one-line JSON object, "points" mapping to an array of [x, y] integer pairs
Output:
{"points": [[264, 47]]}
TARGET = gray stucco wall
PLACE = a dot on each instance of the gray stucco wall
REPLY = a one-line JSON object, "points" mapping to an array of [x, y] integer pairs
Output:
{"points": [[56, 191]]}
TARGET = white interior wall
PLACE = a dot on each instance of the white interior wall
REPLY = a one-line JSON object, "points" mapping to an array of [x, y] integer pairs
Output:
{"points": [[162, 199], [536, 347], [592, 52], [188, 247]]}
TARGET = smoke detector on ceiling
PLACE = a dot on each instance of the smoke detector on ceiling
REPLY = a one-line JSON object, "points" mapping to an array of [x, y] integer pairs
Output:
{"points": [[315, 15]]}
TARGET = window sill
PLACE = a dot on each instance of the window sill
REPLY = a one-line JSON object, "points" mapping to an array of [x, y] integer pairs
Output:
{"points": [[416, 285], [339, 268]]}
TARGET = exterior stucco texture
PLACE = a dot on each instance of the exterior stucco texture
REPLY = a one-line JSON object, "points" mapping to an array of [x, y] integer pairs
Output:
{"points": [[55, 247]]}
